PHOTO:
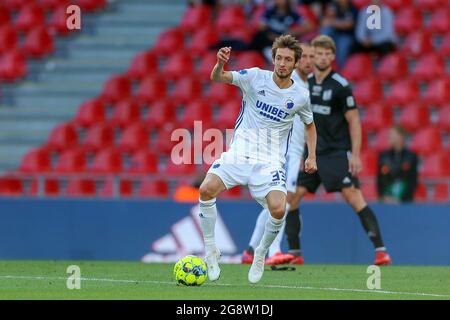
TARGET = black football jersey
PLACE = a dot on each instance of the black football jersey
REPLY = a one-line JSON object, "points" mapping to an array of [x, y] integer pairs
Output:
{"points": [[330, 100]]}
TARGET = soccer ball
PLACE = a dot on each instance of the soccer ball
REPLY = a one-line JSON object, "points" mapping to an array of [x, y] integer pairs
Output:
{"points": [[190, 271]]}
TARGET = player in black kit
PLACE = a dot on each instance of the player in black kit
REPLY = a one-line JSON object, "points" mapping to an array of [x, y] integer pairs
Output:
{"points": [[338, 149]]}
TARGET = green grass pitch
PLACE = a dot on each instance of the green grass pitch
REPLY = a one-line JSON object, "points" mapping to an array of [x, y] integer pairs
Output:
{"points": [[134, 280]]}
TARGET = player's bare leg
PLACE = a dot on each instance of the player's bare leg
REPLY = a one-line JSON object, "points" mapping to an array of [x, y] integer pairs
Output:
{"points": [[276, 203], [210, 188], [355, 199]]}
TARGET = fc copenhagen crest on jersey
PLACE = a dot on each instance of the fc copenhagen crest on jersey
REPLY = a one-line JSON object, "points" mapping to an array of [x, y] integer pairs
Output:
{"points": [[289, 104]]}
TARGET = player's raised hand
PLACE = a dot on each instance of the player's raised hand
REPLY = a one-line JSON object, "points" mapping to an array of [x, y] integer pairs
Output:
{"points": [[223, 55], [310, 165], [355, 165]]}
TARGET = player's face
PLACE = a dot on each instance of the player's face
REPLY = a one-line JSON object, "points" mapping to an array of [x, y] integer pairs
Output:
{"points": [[323, 58], [284, 62], [306, 63]]}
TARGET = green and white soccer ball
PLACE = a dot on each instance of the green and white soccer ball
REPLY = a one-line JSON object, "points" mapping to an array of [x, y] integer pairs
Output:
{"points": [[190, 271]]}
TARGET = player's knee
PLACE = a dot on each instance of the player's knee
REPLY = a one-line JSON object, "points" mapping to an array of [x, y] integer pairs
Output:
{"points": [[207, 192], [278, 211]]}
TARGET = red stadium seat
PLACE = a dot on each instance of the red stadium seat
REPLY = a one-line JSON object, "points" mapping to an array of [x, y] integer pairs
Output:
{"points": [[8, 38], [71, 161], [397, 4], [29, 17], [116, 88], [36, 160], [153, 189], [160, 113], [430, 5], [357, 67], [98, 137], [125, 112], [178, 65], [50, 5], [414, 116], [144, 162], [360, 3], [90, 113], [230, 17], [50, 187], [369, 160], [142, 65], [206, 65], [173, 169], [392, 67], [12, 66], [91, 5], [62, 137], [243, 34], [438, 92], [77, 187], [58, 22], [168, 41], [381, 141], [443, 118], [403, 91], [417, 44], [367, 91], [377, 116], [436, 166], [249, 59], [10, 186], [134, 137], [186, 90], [220, 93], [308, 14], [163, 143], [124, 188], [15, 5], [257, 14], [195, 18], [429, 67], [202, 40], [38, 43], [408, 20], [197, 110], [439, 22], [427, 141], [227, 115], [107, 161], [233, 193], [5, 17], [369, 191], [421, 193], [444, 49], [150, 89], [441, 193]]}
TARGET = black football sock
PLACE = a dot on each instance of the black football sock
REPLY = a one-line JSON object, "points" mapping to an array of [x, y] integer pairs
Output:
{"points": [[370, 224], [250, 250], [292, 230]]}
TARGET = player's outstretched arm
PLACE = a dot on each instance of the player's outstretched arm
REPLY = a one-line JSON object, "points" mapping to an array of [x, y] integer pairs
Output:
{"points": [[354, 125], [311, 141], [218, 74]]}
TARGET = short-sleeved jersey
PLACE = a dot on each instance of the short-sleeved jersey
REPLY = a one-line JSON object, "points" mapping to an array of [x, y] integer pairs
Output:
{"points": [[330, 100], [298, 129], [264, 125]]}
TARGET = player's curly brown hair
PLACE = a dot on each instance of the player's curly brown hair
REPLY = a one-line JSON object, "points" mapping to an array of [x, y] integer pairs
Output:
{"points": [[287, 41]]}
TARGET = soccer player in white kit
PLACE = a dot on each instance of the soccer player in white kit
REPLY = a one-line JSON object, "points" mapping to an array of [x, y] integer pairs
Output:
{"points": [[256, 156], [293, 159]]}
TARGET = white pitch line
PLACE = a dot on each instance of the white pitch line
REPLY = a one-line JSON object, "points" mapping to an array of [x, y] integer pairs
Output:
{"points": [[233, 285]]}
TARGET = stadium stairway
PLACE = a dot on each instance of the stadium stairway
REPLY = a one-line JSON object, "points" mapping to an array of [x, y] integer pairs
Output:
{"points": [[56, 86]]}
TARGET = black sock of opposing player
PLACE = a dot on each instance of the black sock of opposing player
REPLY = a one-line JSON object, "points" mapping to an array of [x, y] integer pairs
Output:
{"points": [[292, 230], [370, 224], [250, 250]]}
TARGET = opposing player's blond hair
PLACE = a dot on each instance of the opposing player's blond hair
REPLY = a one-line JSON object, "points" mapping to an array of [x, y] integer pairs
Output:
{"points": [[290, 42], [325, 42]]}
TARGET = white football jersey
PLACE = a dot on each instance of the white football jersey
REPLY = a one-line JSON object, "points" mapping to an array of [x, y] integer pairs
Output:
{"points": [[264, 126], [298, 131]]}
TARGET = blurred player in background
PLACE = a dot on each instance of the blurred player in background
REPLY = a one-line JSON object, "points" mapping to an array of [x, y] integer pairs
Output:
{"points": [[338, 143], [293, 158], [257, 153]]}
